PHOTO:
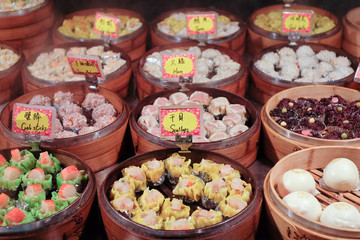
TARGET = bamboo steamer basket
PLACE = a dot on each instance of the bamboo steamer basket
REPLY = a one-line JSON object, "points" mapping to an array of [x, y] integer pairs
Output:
{"points": [[262, 86], [148, 84], [258, 38], [241, 226], [235, 41], [279, 142], [291, 223], [28, 29], [351, 34], [98, 149], [10, 79], [134, 44], [117, 81], [241, 148], [67, 223]]}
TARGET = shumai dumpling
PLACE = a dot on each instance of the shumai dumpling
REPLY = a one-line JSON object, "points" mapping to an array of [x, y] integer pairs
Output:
{"points": [[176, 166], [154, 171], [149, 219], [190, 188], [123, 187], [204, 218], [126, 204], [214, 192], [207, 169], [151, 199], [232, 205], [174, 208], [228, 173], [137, 176], [178, 224], [240, 187]]}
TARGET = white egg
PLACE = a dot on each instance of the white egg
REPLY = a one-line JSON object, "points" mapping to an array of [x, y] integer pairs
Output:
{"points": [[341, 174], [304, 203], [341, 214], [296, 180]]}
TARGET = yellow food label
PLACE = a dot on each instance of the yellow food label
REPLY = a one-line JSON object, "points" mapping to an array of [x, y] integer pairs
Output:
{"points": [[32, 121], [201, 23], [297, 22], [84, 67], [106, 25], [180, 121], [178, 65]]}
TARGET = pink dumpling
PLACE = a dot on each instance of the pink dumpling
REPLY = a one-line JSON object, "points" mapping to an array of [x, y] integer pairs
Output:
{"points": [[74, 121], [236, 109], [104, 121], [217, 136], [201, 97], [214, 126], [199, 139], [237, 129], [151, 110], [58, 127], [177, 98], [208, 116], [233, 119], [102, 110], [162, 102], [146, 122], [156, 131], [189, 103], [218, 105], [61, 97], [67, 108]]}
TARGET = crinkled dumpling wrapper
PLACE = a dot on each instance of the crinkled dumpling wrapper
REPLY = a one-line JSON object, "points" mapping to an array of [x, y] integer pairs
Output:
{"points": [[193, 191]]}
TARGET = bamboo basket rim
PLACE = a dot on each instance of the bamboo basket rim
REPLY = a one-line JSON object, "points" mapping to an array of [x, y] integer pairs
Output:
{"points": [[133, 35], [265, 117], [195, 233], [285, 83], [348, 21], [62, 216], [17, 65], [241, 31], [215, 145], [17, 13], [119, 72], [169, 84], [122, 119], [282, 37], [294, 215]]}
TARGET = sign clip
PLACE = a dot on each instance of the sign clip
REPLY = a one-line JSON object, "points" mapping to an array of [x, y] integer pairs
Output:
{"points": [[183, 82], [93, 81], [293, 38], [33, 141], [183, 142]]}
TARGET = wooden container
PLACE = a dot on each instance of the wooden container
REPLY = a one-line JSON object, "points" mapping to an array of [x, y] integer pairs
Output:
{"points": [[10, 79], [28, 29], [117, 81], [241, 226], [67, 223], [241, 148], [262, 86], [98, 149], [235, 41], [293, 225], [279, 142], [134, 44], [258, 38], [351, 34], [148, 84]]}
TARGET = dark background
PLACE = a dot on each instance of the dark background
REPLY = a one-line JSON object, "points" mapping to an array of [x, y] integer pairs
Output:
{"points": [[150, 9]]}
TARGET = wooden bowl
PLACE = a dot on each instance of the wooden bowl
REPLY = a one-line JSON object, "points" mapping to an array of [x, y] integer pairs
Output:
{"points": [[134, 44], [262, 86], [10, 79], [98, 149], [235, 41], [28, 29], [148, 84], [241, 226], [67, 223], [117, 81], [258, 38], [279, 142], [241, 148], [291, 223], [351, 34]]}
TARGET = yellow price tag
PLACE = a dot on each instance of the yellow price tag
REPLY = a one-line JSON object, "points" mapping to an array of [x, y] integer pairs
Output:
{"points": [[85, 65], [106, 25], [178, 65], [297, 22], [201, 23]]}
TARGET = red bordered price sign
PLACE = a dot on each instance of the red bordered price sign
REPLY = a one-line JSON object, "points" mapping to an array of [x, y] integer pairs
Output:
{"points": [[181, 120], [32, 119], [297, 21], [106, 25], [86, 65], [201, 23], [178, 65]]}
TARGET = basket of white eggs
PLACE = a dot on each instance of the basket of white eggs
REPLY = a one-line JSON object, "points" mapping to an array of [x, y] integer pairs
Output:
{"points": [[314, 194]]}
